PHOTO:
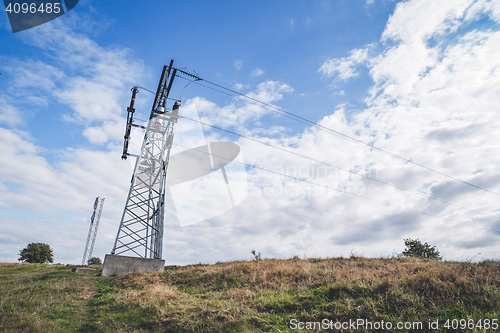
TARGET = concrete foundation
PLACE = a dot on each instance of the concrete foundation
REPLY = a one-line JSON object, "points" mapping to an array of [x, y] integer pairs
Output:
{"points": [[121, 265], [84, 270]]}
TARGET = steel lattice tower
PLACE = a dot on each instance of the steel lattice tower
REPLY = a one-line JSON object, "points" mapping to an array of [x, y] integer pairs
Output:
{"points": [[141, 227], [94, 225]]}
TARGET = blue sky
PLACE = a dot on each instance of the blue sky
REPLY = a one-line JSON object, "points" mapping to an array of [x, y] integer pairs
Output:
{"points": [[286, 42], [418, 78]]}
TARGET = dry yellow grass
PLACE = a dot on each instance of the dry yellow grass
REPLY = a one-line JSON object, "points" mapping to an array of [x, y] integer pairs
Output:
{"points": [[247, 296], [266, 292]]}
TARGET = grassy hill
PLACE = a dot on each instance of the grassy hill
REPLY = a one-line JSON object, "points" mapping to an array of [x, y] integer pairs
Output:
{"points": [[256, 296]]}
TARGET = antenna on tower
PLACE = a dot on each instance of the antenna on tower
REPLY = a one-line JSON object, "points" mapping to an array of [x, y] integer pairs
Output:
{"points": [[94, 224]]}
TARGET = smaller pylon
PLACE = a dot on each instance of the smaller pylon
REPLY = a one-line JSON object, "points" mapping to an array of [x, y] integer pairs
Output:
{"points": [[94, 224]]}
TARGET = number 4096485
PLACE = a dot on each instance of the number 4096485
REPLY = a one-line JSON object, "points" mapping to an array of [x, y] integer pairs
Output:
{"points": [[471, 324], [32, 8]]}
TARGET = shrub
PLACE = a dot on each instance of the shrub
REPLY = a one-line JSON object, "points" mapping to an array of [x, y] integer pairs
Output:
{"points": [[415, 248], [36, 253], [256, 256], [94, 261]]}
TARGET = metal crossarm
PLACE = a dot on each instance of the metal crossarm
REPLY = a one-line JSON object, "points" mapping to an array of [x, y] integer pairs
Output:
{"points": [[141, 227]]}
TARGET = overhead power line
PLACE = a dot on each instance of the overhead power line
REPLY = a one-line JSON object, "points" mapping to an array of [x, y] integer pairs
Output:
{"points": [[328, 164], [310, 122], [199, 82], [340, 168], [337, 190]]}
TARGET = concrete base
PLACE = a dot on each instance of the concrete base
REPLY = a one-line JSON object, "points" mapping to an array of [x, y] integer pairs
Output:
{"points": [[121, 265], [84, 270]]}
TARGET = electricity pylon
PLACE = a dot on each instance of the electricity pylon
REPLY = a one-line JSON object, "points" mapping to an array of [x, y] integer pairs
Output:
{"points": [[94, 225], [141, 227]]}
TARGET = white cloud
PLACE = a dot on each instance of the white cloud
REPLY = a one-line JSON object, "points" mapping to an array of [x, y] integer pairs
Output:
{"points": [[406, 24], [491, 8], [436, 105], [92, 80], [9, 114], [257, 72], [344, 68], [238, 64], [30, 89], [54, 201], [31, 74], [240, 86], [240, 111], [55, 188], [108, 130], [270, 91]]}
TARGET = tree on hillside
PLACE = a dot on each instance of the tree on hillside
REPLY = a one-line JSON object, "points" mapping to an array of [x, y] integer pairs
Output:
{"points": [[94, 261], [36, 253], [415, 248]]}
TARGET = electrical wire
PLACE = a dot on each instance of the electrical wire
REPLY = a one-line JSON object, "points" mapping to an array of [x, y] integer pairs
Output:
{"points": [[239, 97], [180, 96], [310, 122], [155, 93], [338, 190], [328, 164], [146, 90], [340, 168], [331, 165]]}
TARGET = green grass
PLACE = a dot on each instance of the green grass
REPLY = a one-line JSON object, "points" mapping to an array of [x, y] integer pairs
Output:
{"points": [[256, 296]]}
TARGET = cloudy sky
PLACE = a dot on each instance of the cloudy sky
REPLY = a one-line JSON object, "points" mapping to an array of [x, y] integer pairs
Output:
{"points": [[419, 79]]}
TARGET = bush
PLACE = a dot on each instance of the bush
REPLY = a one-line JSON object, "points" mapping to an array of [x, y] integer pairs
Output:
{"points": [[415, 248], [94, 261], [36, 253], [256, 256]]}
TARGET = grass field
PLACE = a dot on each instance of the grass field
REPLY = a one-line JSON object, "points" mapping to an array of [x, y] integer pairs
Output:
{"points": [[255, 296]]}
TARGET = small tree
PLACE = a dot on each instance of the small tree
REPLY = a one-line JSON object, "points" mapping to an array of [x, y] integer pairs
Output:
{"points": [[415, 248], [36, 253], [256, 256], [94, 261]]}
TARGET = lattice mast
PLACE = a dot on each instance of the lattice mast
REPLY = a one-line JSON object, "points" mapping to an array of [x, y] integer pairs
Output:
{"points": [[141, 227], [94, 225]]}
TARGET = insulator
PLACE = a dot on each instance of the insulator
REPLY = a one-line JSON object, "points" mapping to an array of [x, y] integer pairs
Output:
{"points": [[189, 74], [175, 109], [162, 107]]}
